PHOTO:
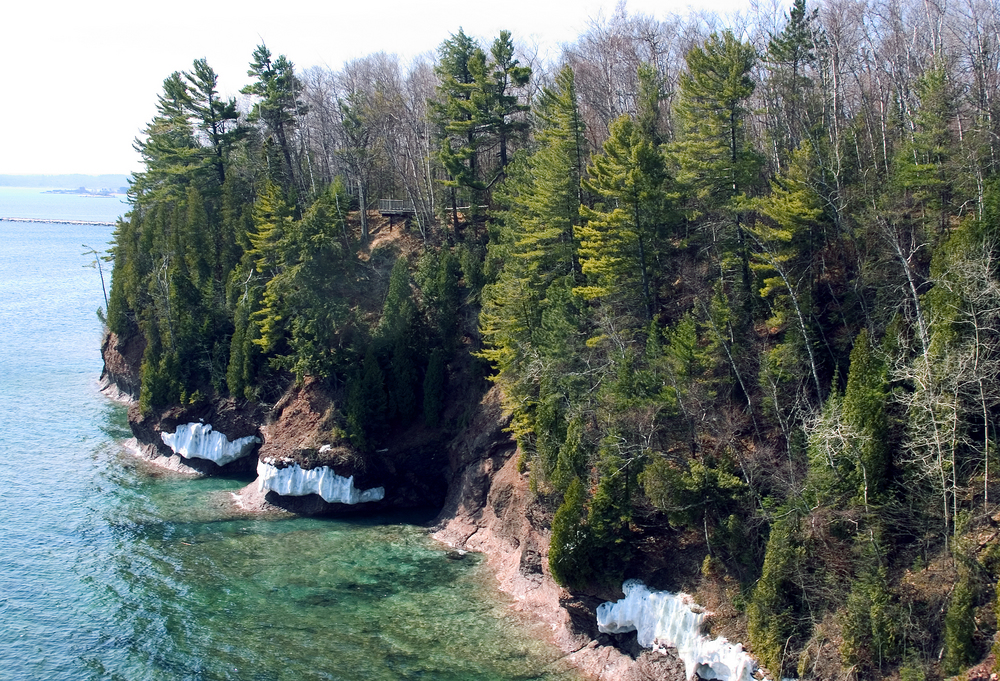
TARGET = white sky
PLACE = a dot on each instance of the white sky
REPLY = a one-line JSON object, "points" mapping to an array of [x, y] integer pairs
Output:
{"points": [[79, 79]]}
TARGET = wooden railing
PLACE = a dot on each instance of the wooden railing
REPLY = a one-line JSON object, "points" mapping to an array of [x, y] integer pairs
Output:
{"points": [[395, 207]]}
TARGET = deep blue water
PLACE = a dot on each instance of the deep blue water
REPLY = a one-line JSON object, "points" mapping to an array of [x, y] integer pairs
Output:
{"points": [[111, 571]]}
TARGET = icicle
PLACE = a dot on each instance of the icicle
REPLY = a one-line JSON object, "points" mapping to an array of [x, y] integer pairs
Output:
{"points": [[665, 620]]}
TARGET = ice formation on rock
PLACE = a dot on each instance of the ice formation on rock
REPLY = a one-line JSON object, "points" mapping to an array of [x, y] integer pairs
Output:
{"points": [[666, 620], [198, 440], [295, 482]]}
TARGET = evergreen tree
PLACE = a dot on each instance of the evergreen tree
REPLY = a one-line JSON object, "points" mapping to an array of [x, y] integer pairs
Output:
{"points": [[626, 233], [573, 456], [569, 551], [714, 157], [648, 115], [713, 151], [773, 609], [501, 107], [785, 236], [960, 625], [199, 251], [701, 495], [790, 55], [304, 322], [272, 223], [871, 623], [169, 150], [537, 241], [217, 119], [531, 319], [435, 383], [367, 402], [399, 331], [447, 299], [478, 107], [864, 405], [453, 109], [278, 106], [926, 165]]}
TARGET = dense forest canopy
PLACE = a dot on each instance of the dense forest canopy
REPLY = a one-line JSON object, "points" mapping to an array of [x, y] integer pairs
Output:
{"points": [[736, 279]]}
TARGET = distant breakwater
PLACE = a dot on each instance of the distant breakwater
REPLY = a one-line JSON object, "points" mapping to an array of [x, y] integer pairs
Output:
{"points": [[59, 222]]}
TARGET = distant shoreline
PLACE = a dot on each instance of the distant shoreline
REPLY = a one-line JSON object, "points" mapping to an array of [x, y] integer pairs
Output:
{"points": [[111, 182], [100, 194], [51, 221]]}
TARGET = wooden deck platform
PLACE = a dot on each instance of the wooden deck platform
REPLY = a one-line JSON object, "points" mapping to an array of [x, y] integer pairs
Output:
{"points": [[392, 207]]}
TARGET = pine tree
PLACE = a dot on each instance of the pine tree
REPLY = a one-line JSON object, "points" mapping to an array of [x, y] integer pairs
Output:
{"points": [[790, 54], [537, 242], [169, 150], [700, 495], [531, 318], [272, 222], [478, 107], [714, 157], [398, 331], [217, 119], [772, 612], [569, 551], [871, 622], [199, 251], [447, 298], [573, 456], [502, 109], [648, 115], [925, 165], [713, 151], [784, 237], [864, 407], [627, 232], [278, 105], [456, 116], [303, 319], [960, 625], [435, 380], [367, 402]]}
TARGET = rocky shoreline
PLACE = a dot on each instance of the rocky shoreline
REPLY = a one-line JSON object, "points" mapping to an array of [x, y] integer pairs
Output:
{"points": [[486, 505], [491, 510]]}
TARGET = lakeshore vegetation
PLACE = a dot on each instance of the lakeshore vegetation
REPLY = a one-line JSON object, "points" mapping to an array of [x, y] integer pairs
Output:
{"points": [[737, 281]]}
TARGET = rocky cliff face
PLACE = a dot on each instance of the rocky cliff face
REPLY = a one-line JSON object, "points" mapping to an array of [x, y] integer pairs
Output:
{"points": [[232, 419], [122, 364], [299, 431], [120, 380]]}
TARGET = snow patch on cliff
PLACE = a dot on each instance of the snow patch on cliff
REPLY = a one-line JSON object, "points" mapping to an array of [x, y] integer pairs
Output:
{"points": [[665, 620], [295, 482], [199, 441]]}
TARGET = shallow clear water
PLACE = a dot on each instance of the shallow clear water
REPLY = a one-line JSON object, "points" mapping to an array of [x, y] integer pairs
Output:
{"points": [[110, 571]]}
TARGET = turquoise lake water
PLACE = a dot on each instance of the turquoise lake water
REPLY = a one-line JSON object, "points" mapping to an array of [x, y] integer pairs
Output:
{"points": [[110, 571]]}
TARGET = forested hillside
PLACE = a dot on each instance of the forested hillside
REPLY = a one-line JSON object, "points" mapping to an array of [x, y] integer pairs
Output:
{"points": [[737, 280]]}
